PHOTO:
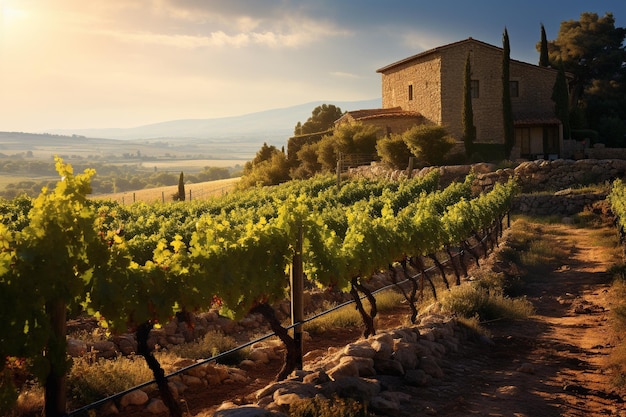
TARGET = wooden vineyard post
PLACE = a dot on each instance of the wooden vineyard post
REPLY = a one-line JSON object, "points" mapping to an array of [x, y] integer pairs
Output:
{"points": [[297, 296], [55, 385], [339, 171], [409, 172]]}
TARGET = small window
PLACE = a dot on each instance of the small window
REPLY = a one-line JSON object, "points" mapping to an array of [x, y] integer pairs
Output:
{"points": [[474, 88], [411, 92], [514, 88]]}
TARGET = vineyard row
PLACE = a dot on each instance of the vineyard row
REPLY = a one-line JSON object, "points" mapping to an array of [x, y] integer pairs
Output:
{"points": [[135, 267]]}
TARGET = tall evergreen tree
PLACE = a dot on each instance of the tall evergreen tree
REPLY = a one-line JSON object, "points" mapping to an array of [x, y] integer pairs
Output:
{"points": [[560, 96], [544, 60], [469, 130], [507, 109], [591, 49], [181, 187]]}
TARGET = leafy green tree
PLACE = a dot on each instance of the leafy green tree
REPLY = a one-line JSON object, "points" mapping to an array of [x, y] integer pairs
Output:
{"points": [[328, 153], [560, 96], [544, 60], [469, 130], [298, 130], [264, 154], [590, 49], [507, 108], [271, 171], [393, 151], [322, 119], [347, 138], [429, 143], [308, 164]]}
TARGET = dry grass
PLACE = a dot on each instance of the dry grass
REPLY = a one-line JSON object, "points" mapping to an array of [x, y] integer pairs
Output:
{"points": [[30, 402], [348, 316], [201, 190], [212, 344], [470, 301], [617, 359], [91, 380]]}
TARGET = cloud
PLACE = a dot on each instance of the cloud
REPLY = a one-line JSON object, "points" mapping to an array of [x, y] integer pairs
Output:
{"points": [[423, 41], [341, 74], [293, 34]]}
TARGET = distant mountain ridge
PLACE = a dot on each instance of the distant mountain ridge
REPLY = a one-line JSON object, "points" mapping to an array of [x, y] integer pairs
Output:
{"points": [[270, 125]]}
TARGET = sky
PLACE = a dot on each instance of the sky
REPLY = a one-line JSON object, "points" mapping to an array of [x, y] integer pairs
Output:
{"points": [[72, 64]]}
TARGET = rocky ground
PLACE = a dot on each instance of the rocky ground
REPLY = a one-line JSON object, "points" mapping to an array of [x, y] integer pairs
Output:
{"points": [[552, 364]]}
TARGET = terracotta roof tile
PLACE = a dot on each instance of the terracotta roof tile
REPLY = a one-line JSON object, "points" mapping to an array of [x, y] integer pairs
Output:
{"points": [[368, 114]]}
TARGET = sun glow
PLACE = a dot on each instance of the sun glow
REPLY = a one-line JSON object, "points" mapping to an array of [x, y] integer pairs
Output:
{"points": [[9, 14]]}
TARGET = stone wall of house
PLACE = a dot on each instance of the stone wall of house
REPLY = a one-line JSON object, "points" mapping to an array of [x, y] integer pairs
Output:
{"points": [[391, 124], [485, 62], [424, 76], [437, 80]]}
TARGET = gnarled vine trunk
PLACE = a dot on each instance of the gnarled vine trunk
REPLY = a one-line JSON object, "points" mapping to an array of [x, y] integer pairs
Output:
{"points": [[294, 350], [368, 319], [142, 333]]}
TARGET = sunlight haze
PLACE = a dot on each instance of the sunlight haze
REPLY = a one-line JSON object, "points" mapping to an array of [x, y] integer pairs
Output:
{"points": [[125, 63]]}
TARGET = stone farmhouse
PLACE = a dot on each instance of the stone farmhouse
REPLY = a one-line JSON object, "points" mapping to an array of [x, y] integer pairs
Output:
{"points": [[428, 88]]}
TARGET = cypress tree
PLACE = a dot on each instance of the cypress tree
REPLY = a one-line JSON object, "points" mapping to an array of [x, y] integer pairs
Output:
{"points": [[507, 110], [181, 187], [560, 96], [544, 61], [469, 130]]}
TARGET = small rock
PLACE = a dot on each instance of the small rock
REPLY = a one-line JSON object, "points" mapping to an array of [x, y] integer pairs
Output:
{"points": [[527, 368], [384, 405], [247, 411], [76, 348], [137, 397], [507, 391], [157, 406], [417, 377], [388, 367], [430, 366]]}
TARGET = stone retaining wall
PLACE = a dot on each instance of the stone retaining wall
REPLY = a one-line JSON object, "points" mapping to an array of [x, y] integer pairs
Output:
{"points": [[557, 175], [367, 369], [562, 203]]}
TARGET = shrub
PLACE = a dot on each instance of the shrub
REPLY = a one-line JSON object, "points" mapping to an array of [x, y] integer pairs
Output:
{"points": [[90, 380], [429, 143], [334, 407], [469, 300], [212, 344], [393, 151]]}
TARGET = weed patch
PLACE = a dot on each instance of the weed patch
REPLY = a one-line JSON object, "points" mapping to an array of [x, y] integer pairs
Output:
{"points": [[334, 407], [212, 344], [469, 301]]}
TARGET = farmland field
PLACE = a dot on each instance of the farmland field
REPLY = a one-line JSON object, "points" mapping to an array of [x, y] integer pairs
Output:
{"points": [[201, 190], [191, 165]]}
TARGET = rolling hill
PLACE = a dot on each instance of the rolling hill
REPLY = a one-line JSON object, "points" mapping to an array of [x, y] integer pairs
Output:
{"points": [[269, 125]]}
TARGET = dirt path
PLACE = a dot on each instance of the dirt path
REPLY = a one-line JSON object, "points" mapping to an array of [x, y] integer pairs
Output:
{"points": [[550, 365]]}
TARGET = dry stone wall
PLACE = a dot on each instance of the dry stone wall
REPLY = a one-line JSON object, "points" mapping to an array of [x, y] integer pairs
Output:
{"points": [[557, 175], [367, 368], [547, 187]]}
